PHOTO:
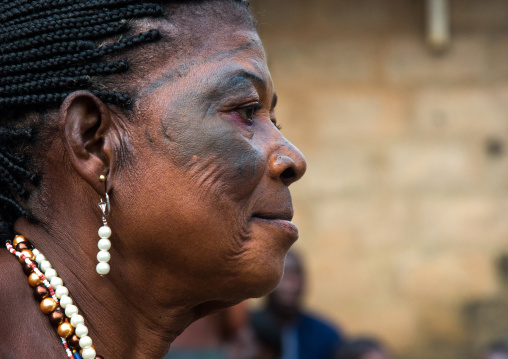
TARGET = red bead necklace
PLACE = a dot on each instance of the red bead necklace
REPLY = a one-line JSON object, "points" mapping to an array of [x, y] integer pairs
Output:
{"points": [[54, 300]]}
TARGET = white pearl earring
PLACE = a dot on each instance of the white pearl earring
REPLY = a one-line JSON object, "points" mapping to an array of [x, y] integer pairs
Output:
{"points": [[104, 233]]}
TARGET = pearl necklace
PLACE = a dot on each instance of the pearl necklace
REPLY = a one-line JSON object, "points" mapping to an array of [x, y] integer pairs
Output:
{"points": [[54, 300]]}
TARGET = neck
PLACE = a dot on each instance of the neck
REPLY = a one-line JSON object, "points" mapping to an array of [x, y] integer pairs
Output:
{"points": [[117, 301]]}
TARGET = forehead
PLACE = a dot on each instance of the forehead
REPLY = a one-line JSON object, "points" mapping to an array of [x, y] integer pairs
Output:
{"points": [[239, 51], [196, 21], [191, 28], [206, 40]]}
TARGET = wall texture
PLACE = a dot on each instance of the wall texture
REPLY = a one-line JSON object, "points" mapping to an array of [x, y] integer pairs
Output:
{"points": [[404, 209]]}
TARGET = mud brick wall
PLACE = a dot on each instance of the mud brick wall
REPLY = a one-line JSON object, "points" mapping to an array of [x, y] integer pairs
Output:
{"points": [[404, 209]]}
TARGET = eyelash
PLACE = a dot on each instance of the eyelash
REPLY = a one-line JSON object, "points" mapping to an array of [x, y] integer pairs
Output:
{"points": [[250, 111], [254, 108]]}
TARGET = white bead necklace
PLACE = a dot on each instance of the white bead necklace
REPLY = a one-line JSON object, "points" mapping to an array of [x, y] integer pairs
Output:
{"points": [[58, 296]]}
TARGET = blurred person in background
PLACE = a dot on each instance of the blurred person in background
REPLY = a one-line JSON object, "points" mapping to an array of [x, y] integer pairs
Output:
{"points": [[284, 329], [497, 350], [224, 335], [364, 348]]}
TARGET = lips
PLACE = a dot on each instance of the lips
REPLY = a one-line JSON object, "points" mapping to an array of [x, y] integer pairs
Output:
{"points": [[278, 221], [285, 215]]}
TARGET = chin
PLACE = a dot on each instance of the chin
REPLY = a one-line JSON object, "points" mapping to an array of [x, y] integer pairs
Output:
{"points": [[252, 268], [261, 278], [265, 285], [264, 272]]}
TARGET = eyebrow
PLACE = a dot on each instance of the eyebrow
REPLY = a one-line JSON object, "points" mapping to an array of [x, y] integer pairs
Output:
{"points": [[238, 77], [241, 76]]}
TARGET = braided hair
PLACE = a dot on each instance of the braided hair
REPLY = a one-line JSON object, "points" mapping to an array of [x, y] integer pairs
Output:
{"points": [[48, 49]]}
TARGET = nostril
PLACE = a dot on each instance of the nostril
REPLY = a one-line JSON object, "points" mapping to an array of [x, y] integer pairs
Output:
{"points": [[288, 174], [287, 168]]}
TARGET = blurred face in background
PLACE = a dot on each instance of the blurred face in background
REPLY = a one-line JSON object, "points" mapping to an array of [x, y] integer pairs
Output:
{"points": [[288, 296]]}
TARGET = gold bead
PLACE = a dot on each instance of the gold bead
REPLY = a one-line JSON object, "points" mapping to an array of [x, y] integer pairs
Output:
{"points": [[65, 330], [48, 305], [28, 253], [102, 178], [34, 280], [18, 239]]}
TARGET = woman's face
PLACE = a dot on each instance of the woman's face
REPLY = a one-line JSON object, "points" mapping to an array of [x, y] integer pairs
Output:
{"points": [[210, 168]]}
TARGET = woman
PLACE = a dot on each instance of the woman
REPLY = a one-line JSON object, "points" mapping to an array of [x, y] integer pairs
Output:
{"points": [[163, 113]]}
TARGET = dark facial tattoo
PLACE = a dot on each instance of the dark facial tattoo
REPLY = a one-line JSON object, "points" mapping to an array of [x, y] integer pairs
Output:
{"points": [[184, 69], [203, 137]]}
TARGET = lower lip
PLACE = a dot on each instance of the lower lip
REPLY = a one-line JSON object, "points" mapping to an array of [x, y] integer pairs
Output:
{"points": [[286, 226]]}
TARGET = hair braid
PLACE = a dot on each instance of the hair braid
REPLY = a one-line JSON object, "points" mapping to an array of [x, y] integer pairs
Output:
{"points": [[88, 33], [56, 11], [46, 84], [14, 4], [93, 69], [46, 27], [48, 49], [12, 205], [20, 170], [31, 9], [80, 56], [8, 179], [20, 133], [56, 15]]}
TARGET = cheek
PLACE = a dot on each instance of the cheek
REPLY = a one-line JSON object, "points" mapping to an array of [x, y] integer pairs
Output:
{"points": [[217, 156]]}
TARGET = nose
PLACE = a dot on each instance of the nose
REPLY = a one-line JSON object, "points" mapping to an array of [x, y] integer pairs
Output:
{"points": [[287, 164]]}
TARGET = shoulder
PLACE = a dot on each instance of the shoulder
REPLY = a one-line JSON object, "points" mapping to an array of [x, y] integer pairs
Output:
{"points": [[318, 337], [319, 326], [12, 280], [12, 283], [13, 296], [20, 312]]}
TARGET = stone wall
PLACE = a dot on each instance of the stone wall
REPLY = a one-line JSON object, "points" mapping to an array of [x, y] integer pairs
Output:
{"points": [[404, 208]]}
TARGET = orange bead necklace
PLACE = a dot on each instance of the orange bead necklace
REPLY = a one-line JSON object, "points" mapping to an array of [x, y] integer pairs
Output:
{"points": [[54, 300]]}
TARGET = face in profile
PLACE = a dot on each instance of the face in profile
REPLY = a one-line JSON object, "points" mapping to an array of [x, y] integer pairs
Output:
{"points": [[210, 164], [288, 296]]}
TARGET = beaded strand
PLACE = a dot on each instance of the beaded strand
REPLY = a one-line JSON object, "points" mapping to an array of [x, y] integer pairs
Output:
{"points": [[54, 300]]}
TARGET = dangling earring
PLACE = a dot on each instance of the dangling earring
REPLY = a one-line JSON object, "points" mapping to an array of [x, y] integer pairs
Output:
{"points": [[104, 233]]}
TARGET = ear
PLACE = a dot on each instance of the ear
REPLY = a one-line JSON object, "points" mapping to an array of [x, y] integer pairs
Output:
{"points": [[87, 129]]}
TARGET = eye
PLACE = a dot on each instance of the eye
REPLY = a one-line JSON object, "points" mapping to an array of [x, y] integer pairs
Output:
{"points": [[248, 112]]}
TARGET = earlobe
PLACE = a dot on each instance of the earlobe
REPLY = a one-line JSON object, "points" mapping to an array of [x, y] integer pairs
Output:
{"points": [[86, 126]]}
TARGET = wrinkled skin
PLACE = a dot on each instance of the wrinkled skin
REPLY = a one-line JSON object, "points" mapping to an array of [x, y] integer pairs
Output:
{"points": [[198, 178]]}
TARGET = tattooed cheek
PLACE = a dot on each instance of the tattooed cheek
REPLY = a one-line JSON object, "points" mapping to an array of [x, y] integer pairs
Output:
{"points": [[247, 164], [149, 139]]}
